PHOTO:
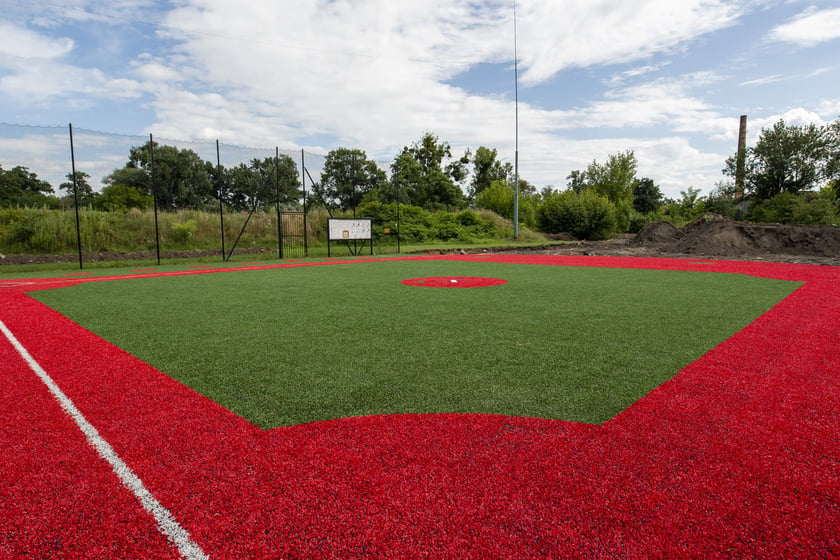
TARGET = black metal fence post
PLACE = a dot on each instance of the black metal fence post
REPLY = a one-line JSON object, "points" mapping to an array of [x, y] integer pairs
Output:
{"points": [[76, 197], [221, 196], [277, 202], [154, 194]]}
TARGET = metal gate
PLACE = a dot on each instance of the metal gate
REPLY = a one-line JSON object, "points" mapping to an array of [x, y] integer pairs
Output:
{"points": [[293, 242]]}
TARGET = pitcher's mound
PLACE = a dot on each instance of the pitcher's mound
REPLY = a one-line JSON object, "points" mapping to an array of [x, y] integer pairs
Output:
{"points": [[454, 282]]}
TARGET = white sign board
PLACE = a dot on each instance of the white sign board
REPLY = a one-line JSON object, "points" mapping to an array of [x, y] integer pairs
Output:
{"points": [[349, 229]]}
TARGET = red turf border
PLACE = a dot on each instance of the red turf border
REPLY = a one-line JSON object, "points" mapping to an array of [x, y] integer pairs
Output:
{"points": [[737, 456]]}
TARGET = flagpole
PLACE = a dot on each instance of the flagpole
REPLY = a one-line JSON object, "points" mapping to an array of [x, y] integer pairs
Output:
{"points": [[516, 154]]}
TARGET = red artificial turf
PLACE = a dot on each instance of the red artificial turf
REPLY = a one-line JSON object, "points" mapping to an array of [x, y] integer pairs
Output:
{"points": [[736, 456]]}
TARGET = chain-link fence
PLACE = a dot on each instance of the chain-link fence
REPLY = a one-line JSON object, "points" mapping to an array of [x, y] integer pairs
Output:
{"points": [[171, 195]]}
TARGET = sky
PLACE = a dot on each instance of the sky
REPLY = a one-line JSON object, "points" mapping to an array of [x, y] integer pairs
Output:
{"points": [[667, 79]]}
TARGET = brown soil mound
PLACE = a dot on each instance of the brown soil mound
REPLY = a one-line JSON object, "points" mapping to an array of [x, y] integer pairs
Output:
{"points": [[656, 233], [714, 235]]}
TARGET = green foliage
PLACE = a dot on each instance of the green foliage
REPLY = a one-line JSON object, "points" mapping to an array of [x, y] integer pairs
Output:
{"points": [[79, 190], [614, 179], [647, 197], [181, 178], [724, 200], [487, 170], [789, 159], [789, 208], [586, 215], [499, 198], [119, 198], [426, 175], [183, 232], [36, 230], [261, 184], [21, 188], [417, 225], [346, 178]]}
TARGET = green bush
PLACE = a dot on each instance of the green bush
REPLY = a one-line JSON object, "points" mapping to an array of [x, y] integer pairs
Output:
{"points": [[585, 215], [499, 198], [183, 232], [122, 197], [789, 208]]}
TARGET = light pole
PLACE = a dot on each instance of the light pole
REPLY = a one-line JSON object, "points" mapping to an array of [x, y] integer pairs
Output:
{"points": [[516, 153]]}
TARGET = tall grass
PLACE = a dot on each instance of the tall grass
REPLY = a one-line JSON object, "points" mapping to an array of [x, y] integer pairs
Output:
{"points": [[46, 231]]}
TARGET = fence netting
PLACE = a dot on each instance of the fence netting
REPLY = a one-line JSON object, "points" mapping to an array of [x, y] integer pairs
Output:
{"points": [[202, 195]]}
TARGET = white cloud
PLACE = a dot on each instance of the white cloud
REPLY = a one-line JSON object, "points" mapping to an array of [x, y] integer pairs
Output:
{"points": [[559, 35], [809, 28], [672, 162], [797, 116], [373, 74], [21, 43], [765, 80], [42, 81]]}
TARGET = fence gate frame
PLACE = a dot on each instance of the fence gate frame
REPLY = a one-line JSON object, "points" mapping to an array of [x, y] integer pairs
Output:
{"points": [[292, 233]]}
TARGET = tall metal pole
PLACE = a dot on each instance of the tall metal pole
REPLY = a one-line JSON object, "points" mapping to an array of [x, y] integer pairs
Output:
{"points": [[397, 186], [154, 195], [221, 195], [277, 203], [516, 154], [303, 173], [76, 197]]}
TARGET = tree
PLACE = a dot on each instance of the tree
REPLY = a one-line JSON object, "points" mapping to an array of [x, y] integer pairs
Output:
{"points": [[347, 177], [832, 166], [724, 199], [423, 178], [182, 178], [690, 203], [134, 177], [486, 170], [647, 197], [785, 159], [84, 191], [614, 179], [19, 186], [498, 198], [576, 181], [262, 183], [121, 197]]}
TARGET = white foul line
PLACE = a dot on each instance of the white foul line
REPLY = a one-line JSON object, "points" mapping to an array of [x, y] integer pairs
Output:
{"points": [[165, 521]]}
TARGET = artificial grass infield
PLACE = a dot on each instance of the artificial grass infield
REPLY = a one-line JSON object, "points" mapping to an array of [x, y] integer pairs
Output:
{"points": [[285, 347], [737, 455]]}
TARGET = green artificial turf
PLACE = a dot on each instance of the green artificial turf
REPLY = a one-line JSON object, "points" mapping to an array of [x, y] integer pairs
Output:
{"points": [[287, 346]]}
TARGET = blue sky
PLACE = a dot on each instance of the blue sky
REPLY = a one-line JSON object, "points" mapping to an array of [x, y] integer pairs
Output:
{"points": [[667, 79]]}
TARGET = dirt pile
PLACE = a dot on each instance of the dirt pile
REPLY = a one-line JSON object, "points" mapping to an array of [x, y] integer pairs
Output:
{"points": [[714, 235]]}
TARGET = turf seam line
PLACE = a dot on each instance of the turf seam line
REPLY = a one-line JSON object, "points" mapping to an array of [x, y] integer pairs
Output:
{"points": [[166, 522]]}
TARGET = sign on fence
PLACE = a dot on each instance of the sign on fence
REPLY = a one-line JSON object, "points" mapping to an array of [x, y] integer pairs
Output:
{"points": [[346, 230]]}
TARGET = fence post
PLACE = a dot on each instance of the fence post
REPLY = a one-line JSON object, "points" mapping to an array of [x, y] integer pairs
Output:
{"points": [[154, 194], [303, 186], [277, 202], [221, 206], [76, 197]]}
